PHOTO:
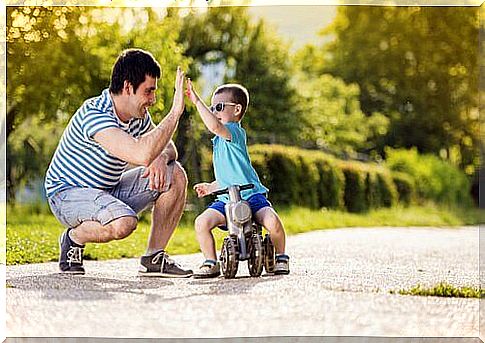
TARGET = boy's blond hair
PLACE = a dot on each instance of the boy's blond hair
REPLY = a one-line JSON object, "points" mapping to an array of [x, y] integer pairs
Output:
{"points": [[239, 94]]}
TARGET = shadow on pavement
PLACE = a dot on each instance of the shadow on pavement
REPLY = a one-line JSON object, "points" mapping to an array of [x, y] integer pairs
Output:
{"points": [[61, 286], [64, 287], [239, 285]]}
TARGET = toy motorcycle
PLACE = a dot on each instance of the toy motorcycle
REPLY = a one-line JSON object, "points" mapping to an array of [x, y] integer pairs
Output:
{"points": [[245, 239]]}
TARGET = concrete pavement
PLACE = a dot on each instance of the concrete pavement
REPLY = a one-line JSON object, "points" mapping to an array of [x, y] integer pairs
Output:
{"points": [[339, 286]]}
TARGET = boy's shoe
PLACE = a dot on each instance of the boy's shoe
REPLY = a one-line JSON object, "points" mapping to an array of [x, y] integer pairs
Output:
{"points": [[208, 270], [71, 256], [158, 264], [282, 265]]}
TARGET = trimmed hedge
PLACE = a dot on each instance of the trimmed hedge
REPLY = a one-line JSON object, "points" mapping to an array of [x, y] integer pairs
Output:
{"points": [[331, 185], [355, 187], [434, 179], [406, 189], [315, 179]]}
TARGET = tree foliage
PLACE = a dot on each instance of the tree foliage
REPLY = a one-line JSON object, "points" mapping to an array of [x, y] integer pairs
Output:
{"points": [[392, 76], [48, 73], [332, 117], [416, 65], [59, 56], [252, 55], [47, 67]]}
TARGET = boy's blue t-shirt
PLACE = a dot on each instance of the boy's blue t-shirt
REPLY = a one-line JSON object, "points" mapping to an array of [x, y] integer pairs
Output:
{"points": [[232, 165]]}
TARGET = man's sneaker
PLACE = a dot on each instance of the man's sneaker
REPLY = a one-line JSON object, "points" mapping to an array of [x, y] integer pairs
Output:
{"points": [[207, 270], [158, 264], [282, 265], [71, 256]]}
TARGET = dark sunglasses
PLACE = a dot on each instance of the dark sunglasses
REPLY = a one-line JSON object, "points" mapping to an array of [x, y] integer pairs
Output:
{"points": [[219, 107]]}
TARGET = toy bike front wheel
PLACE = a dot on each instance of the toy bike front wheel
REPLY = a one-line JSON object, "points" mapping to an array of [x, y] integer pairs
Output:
{"points": [[229, 261], [255, 262]]}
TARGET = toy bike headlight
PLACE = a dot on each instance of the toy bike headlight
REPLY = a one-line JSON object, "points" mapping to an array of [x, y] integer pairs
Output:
{"points": [[241, 213]]}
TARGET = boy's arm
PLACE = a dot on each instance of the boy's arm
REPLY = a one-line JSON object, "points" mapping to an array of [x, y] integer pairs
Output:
{"points": [[209, 119]]}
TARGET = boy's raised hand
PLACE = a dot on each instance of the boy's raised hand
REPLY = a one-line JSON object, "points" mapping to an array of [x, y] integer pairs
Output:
{"points": [[190, 92]]}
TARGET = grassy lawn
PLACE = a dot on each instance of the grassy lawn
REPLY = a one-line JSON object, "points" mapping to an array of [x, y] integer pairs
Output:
{"points": [[32, 232]]}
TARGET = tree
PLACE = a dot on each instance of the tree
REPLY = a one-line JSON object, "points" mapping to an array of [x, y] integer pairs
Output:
{"points": [[48, 73], [251, 55], [416, 65], [60, 56], [333, 118], [47, 68], [264, 67]]}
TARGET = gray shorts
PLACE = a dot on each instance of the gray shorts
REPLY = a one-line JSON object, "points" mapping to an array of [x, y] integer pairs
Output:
{"points": [[131, 196]]}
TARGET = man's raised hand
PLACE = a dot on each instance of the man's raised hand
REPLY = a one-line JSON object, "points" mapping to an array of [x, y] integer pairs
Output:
{"points": [[178, 99]]}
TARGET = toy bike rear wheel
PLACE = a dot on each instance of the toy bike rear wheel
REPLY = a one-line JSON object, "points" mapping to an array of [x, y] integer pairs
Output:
{"points": [[269, 254], [229, 261], [255, 262]]}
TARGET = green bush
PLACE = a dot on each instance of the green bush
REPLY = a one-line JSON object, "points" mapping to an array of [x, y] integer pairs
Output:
{"points": [[285, 179], [298, 176], [434, 178], [331, 185], [405, 187], [309, 178], [387, 191], [372, 191], [259, 164], [314, 179], [355, 187]]}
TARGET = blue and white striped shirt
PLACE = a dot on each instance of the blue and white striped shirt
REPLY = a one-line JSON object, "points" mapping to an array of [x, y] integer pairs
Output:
{"points": [[79, 161]]}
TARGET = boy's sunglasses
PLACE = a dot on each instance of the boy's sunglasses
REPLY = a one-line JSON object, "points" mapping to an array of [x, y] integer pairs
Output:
{"points": [[219, 107]]}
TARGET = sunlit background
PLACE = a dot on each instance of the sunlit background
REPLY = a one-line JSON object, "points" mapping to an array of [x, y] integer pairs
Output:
{"points": [[389, 86]]}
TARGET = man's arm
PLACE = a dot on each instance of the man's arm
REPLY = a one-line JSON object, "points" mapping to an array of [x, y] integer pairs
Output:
{"points": [[143, 150], [170, 151]]}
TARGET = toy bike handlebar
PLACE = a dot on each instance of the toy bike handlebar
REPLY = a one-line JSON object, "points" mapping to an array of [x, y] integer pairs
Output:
{"points": [[226, 190]]}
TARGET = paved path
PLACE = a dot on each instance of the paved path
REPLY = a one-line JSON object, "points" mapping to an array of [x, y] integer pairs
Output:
{"points": [[339, 286]]}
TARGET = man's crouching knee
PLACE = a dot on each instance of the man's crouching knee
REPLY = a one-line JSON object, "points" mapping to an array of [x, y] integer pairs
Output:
{"points": [[179, 180], [123, 227]]}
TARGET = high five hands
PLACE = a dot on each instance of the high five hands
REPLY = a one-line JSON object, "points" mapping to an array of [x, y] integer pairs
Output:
{"points": [[178, 101]]}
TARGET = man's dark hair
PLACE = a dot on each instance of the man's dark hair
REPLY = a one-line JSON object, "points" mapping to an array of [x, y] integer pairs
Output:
{"points": [[132, 65], [239, 94]]}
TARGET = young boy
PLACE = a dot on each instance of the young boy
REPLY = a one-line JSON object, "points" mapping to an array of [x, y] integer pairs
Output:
{"points": [[231, 166]]}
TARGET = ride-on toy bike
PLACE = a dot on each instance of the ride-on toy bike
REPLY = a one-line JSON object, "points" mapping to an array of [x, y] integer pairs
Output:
{"points": [[245, 239]]}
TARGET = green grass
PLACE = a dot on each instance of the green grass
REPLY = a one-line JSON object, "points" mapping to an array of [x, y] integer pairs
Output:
{"points": [[444, 290], [32, 232], [298, 219]]}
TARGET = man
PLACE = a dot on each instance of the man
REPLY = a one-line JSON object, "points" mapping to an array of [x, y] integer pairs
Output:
{"points": [[88, 188]]}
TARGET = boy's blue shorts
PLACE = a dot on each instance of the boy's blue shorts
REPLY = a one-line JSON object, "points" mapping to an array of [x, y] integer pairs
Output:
{"points": [[256, 202]]}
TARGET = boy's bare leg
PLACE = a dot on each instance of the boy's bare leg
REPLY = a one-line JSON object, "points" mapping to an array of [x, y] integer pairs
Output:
{"points": [[167, 211], [204, 224], [268, 217]]}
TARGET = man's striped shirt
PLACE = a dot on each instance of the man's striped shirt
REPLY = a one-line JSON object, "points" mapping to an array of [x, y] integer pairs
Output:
{"points": [[79, 161]]}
